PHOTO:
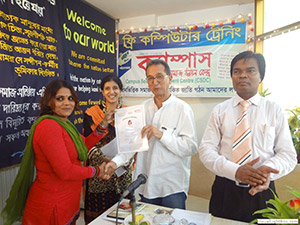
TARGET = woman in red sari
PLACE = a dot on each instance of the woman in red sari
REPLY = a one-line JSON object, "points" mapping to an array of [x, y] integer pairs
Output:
{"points": [[58, 149]]}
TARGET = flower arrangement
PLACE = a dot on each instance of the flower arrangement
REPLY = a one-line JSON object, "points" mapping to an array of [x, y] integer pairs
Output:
{"points": [[294, 124], [281, 210]]}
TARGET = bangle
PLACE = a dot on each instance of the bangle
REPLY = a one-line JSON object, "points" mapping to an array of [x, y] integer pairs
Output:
{"points": [[94, 172], [99, 130], [97, 171], [102, 126]]}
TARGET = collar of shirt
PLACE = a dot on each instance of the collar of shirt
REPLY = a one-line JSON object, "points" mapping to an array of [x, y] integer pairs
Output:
{"points": [[168, 101], [255, 100]]}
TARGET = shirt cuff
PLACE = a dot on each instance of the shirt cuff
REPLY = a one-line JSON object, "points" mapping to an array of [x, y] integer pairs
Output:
{"points": [[230, 169], [118, 160], [165, 138]]}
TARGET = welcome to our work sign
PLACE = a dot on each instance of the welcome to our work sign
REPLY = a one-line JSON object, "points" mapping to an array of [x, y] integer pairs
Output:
{"points": [[199, 59], [43, 40]]}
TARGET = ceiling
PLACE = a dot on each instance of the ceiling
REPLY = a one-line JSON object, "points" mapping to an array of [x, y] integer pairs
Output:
{"points": [[121, 9]]}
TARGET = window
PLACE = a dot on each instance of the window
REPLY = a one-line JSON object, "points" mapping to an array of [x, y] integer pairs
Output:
{"points": [[282, 52]]}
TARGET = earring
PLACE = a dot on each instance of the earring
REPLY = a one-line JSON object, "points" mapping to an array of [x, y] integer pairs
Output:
{"points": [[120, 101], [103, 103]]}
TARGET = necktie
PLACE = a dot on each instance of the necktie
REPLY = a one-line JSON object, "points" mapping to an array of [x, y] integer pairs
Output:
{"points": [[241, 150]]}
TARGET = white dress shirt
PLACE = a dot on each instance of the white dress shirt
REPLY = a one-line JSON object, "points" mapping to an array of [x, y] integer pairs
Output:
{"points": [[167, 162], [270, 136]]}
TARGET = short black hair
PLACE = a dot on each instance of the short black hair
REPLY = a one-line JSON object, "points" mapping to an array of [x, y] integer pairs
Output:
{"points": [[111, 77], [157, 62], [249, 54]]}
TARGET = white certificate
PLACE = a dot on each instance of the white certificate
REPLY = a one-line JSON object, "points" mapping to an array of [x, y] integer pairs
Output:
{"points": [[110, 149], [129, 122]]}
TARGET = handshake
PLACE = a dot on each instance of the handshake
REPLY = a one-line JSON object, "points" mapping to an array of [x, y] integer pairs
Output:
{"points": [[107, 169]]}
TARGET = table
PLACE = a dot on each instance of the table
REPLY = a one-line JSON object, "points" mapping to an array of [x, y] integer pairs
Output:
{"points": [[149, 207]]}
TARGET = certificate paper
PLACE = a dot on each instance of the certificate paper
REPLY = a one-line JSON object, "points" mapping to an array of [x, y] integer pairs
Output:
{"points": [[129, 122], [110, 150]]}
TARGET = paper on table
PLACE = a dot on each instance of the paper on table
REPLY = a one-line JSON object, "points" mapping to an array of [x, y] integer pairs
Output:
{"points": [[192, 217], [124, 211]]}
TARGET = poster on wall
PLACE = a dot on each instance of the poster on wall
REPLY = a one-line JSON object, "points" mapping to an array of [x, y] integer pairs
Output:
{"points": [[30, 57], [89, 52], [43, 40], [199, 59]]}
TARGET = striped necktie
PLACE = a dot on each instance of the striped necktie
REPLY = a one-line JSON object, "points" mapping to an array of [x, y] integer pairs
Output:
{"points": [[241, 150]]}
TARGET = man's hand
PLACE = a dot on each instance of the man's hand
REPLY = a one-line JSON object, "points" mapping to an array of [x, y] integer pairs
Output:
{"points": [[248, 174], [107, 160], [151, 131], [264, 186], [109, 170], [267, 170], [261, 187]]}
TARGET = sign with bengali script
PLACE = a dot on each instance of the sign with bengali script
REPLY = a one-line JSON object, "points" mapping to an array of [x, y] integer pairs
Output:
{"points": [[43, 40], [199, 59]]}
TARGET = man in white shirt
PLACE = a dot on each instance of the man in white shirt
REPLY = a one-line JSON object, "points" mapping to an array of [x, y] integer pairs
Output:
{"points": [[239, 190], [170, 129]]}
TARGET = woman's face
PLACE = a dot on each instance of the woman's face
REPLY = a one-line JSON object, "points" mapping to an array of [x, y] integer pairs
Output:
{"points": [[111, 92], [63, 103]]}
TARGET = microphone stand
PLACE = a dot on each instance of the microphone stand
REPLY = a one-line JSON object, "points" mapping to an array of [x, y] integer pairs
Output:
{"points": [[142, 178], [133, 206], [117, 213]]}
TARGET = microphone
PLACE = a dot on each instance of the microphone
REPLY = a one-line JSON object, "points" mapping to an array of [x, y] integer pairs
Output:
{"points": [[141, 179]]}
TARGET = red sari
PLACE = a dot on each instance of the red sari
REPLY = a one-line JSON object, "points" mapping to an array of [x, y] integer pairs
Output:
{"points": [[54, 196]]}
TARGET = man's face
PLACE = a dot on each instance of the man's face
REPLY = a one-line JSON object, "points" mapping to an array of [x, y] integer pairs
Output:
{"points": [[158, 80], [246, 77]]}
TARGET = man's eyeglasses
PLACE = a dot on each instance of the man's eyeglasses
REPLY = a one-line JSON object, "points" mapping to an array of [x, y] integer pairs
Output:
{"points": [[248, 72], [159, 78]]}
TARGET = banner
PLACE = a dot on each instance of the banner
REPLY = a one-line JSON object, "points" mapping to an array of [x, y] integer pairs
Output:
{"points": [[199, 59], [43, 40], [89, 52]]}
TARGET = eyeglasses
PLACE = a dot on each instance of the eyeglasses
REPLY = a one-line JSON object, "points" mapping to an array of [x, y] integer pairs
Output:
{"points": [[248, 72], [159, 78]]}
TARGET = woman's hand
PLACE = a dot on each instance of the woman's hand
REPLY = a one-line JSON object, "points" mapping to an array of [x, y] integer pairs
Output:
{"points": [[101, 173], [110, 168], [102, 170], [108, 118]]}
